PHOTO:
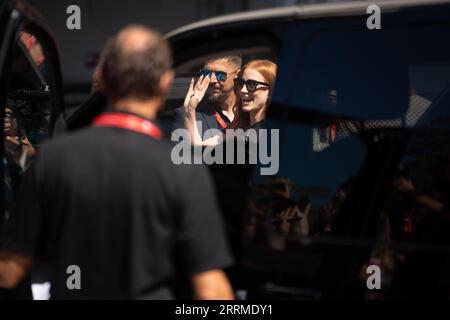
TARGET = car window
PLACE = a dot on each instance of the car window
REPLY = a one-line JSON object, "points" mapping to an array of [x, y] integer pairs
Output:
{"points": [[373, 73], [300, 201], [363, 161], [191, 69]]}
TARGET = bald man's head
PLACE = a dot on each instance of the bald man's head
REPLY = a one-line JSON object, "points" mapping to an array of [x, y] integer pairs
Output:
{"points": [[133, 63], [137, 38]]}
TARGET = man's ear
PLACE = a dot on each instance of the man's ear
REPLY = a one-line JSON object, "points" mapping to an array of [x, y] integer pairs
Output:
{"points": [[166, 82]]}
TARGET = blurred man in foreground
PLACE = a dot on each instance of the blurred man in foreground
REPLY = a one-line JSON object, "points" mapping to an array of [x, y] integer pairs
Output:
{"points": [[107, 206]]}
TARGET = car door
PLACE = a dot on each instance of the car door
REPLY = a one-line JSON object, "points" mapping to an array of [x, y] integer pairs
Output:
{"points": [[31, 99], [347, 106]]}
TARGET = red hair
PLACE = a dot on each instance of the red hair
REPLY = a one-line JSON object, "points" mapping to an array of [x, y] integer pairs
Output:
{"points": [[268, 70]]}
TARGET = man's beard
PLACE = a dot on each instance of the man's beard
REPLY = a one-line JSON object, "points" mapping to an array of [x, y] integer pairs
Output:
{"points": [[218, 97]]}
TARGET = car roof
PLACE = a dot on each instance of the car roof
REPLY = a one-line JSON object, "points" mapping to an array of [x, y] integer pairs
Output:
{"points": [[306, 11]]}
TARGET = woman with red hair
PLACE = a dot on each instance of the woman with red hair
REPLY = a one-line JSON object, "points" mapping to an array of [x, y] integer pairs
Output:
{"points": [[254, 86]]}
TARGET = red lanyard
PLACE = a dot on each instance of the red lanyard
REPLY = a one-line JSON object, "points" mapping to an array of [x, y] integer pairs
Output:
{"points": [[220, 120], [333, 132], [128, 121]]}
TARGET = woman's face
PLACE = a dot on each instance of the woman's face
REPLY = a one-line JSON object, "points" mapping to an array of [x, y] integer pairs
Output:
{"points": [[256, 100]]}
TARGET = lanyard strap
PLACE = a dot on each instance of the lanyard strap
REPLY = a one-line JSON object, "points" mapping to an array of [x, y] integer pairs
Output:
{"points": [[220, 120], [128, 121], [333, 132]]}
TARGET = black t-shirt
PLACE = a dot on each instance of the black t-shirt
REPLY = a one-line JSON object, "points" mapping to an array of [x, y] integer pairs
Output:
{"points": [[111, 202]]}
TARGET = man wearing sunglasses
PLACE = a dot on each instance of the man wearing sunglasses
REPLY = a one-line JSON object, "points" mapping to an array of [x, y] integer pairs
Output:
{"points": [[215, 112]]}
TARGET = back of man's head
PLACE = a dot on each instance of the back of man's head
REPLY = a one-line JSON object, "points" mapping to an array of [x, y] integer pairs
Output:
{"points": [[133, 63]]}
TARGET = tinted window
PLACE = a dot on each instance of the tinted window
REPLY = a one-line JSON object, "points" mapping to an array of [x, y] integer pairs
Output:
{"points": [[358, 182], [374, 73]]}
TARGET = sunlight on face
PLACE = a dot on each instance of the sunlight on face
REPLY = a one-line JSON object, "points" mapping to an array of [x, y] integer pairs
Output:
{"points": [[258, 99], [218, 91]]}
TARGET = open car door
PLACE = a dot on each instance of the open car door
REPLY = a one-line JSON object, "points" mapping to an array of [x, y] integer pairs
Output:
{"points": [[31, 100]]}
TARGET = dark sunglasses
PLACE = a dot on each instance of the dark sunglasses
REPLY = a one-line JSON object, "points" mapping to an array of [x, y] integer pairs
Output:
{"points": [[250, 84], [220, 75]]}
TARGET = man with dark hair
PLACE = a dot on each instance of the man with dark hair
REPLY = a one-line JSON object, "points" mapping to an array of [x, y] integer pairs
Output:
{"points": [[218, 111], [107, 207]]}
